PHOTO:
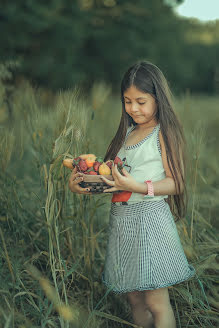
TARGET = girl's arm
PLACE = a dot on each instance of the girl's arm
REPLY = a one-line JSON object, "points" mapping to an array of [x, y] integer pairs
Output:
{"points": [[165, 186], [162, 187]]}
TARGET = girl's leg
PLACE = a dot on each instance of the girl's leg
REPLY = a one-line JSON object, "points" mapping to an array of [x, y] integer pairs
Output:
{"points": [[140, 313], [158, 302]]}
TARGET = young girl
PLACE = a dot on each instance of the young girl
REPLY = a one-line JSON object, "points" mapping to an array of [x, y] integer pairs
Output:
{"points": [[144, 255]]}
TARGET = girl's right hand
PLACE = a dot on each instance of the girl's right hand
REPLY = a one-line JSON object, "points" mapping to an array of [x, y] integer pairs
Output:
{"points": [[73, 183]]}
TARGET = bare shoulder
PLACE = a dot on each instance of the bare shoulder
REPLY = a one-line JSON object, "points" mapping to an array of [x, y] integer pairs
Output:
{"points": [[164, 156]]}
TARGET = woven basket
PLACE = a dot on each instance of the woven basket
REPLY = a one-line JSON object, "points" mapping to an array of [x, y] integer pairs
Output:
{"points": [[95, 183]]}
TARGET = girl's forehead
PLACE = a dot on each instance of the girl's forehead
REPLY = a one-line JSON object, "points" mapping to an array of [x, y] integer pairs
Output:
{"points": [[133, 92]]}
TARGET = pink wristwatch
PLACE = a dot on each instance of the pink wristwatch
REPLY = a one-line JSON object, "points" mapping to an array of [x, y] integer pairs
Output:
{"points": [[150, 188]]}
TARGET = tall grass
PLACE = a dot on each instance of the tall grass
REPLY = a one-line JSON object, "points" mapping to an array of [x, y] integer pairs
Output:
{"points": [[53, 241]]}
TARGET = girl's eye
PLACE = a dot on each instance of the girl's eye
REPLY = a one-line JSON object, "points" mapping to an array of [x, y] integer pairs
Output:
{"points": [[139, 103]]}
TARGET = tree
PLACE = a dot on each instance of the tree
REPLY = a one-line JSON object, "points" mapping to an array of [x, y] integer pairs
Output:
{"points": [[60, 43]]}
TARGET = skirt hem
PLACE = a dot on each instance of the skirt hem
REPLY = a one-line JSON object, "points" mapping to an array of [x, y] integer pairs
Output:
{"points": [[148, 287]]}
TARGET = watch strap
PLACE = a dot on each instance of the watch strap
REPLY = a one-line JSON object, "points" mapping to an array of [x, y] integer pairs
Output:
{"points": [[150, 188]]}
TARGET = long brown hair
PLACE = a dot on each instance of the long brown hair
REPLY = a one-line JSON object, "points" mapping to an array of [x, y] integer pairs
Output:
{"points": [[148, 78]]}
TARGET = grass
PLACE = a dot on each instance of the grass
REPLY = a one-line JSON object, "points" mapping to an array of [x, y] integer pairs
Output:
{"points": [[52, 241]]}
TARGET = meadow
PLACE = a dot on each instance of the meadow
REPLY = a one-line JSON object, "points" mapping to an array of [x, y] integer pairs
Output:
{"points": [[52, 241]]}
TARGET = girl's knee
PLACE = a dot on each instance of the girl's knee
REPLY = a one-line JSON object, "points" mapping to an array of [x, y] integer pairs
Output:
{"points": [[157, 308], [157, 301], [135, 297]]}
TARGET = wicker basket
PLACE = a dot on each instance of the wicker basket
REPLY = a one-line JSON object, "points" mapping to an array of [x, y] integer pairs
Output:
{"points": [[95, 183]]}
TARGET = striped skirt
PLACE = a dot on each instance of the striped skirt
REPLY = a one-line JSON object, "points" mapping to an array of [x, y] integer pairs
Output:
{"points": [[143, 251]]}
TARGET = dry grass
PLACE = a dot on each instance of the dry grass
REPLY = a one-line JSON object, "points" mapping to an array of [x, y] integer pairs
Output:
{"points": [[53, 242]]}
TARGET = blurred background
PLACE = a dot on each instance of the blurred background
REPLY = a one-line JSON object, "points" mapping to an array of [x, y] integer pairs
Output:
{"points": [[61, 43], [61, 63]]}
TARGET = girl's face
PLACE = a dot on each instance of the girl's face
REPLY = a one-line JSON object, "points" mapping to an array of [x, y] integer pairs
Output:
{"points": [[140, 106]]}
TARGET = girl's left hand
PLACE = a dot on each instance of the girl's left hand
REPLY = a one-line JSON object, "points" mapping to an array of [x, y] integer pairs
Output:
{"points": [[126, 182]]}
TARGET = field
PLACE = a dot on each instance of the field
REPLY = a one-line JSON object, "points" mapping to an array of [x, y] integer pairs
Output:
{"points": [[53, 242]]}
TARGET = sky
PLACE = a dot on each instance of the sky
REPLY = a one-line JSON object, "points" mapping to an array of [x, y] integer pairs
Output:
{"points": [[204, 10]]}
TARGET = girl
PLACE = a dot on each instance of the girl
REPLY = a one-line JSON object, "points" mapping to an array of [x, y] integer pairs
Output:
{"points": [[144, 255]]}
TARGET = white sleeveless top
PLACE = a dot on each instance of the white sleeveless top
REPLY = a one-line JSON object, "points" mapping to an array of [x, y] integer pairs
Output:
{"points": [[145, 161]]}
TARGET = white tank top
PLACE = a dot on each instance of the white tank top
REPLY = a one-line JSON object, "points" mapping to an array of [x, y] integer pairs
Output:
{"points": [[145, 161]]}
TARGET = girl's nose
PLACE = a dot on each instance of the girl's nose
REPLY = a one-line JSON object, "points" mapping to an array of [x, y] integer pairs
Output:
{"points": [[134, 108]]}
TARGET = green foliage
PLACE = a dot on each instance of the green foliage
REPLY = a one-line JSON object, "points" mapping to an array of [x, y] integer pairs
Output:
{"points": [[60, 43]]}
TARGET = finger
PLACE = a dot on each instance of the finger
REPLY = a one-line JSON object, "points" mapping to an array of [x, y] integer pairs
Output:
{"points": [[79, 174], [110, 189], [73, 171], [109, 182], [116, 174], [74, 176], [125, 172], [77, 180], [74, 179], [86, 191], [83, 190], [103, 178], [116, 171]]}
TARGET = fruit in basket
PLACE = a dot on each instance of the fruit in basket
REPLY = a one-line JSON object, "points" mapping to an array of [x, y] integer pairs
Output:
{"points": [[92, 173], [90, 164], [96, 166], [76, 162], [109, 163], [92, 167], [68, 162], [82, 166], [119, 163], [90, 161], [85, 156], [104, 169], [118, 160], [97, 163]]}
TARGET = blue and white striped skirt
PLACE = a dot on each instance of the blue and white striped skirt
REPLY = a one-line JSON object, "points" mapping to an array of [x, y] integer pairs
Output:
{"points": [[144, 250]]}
